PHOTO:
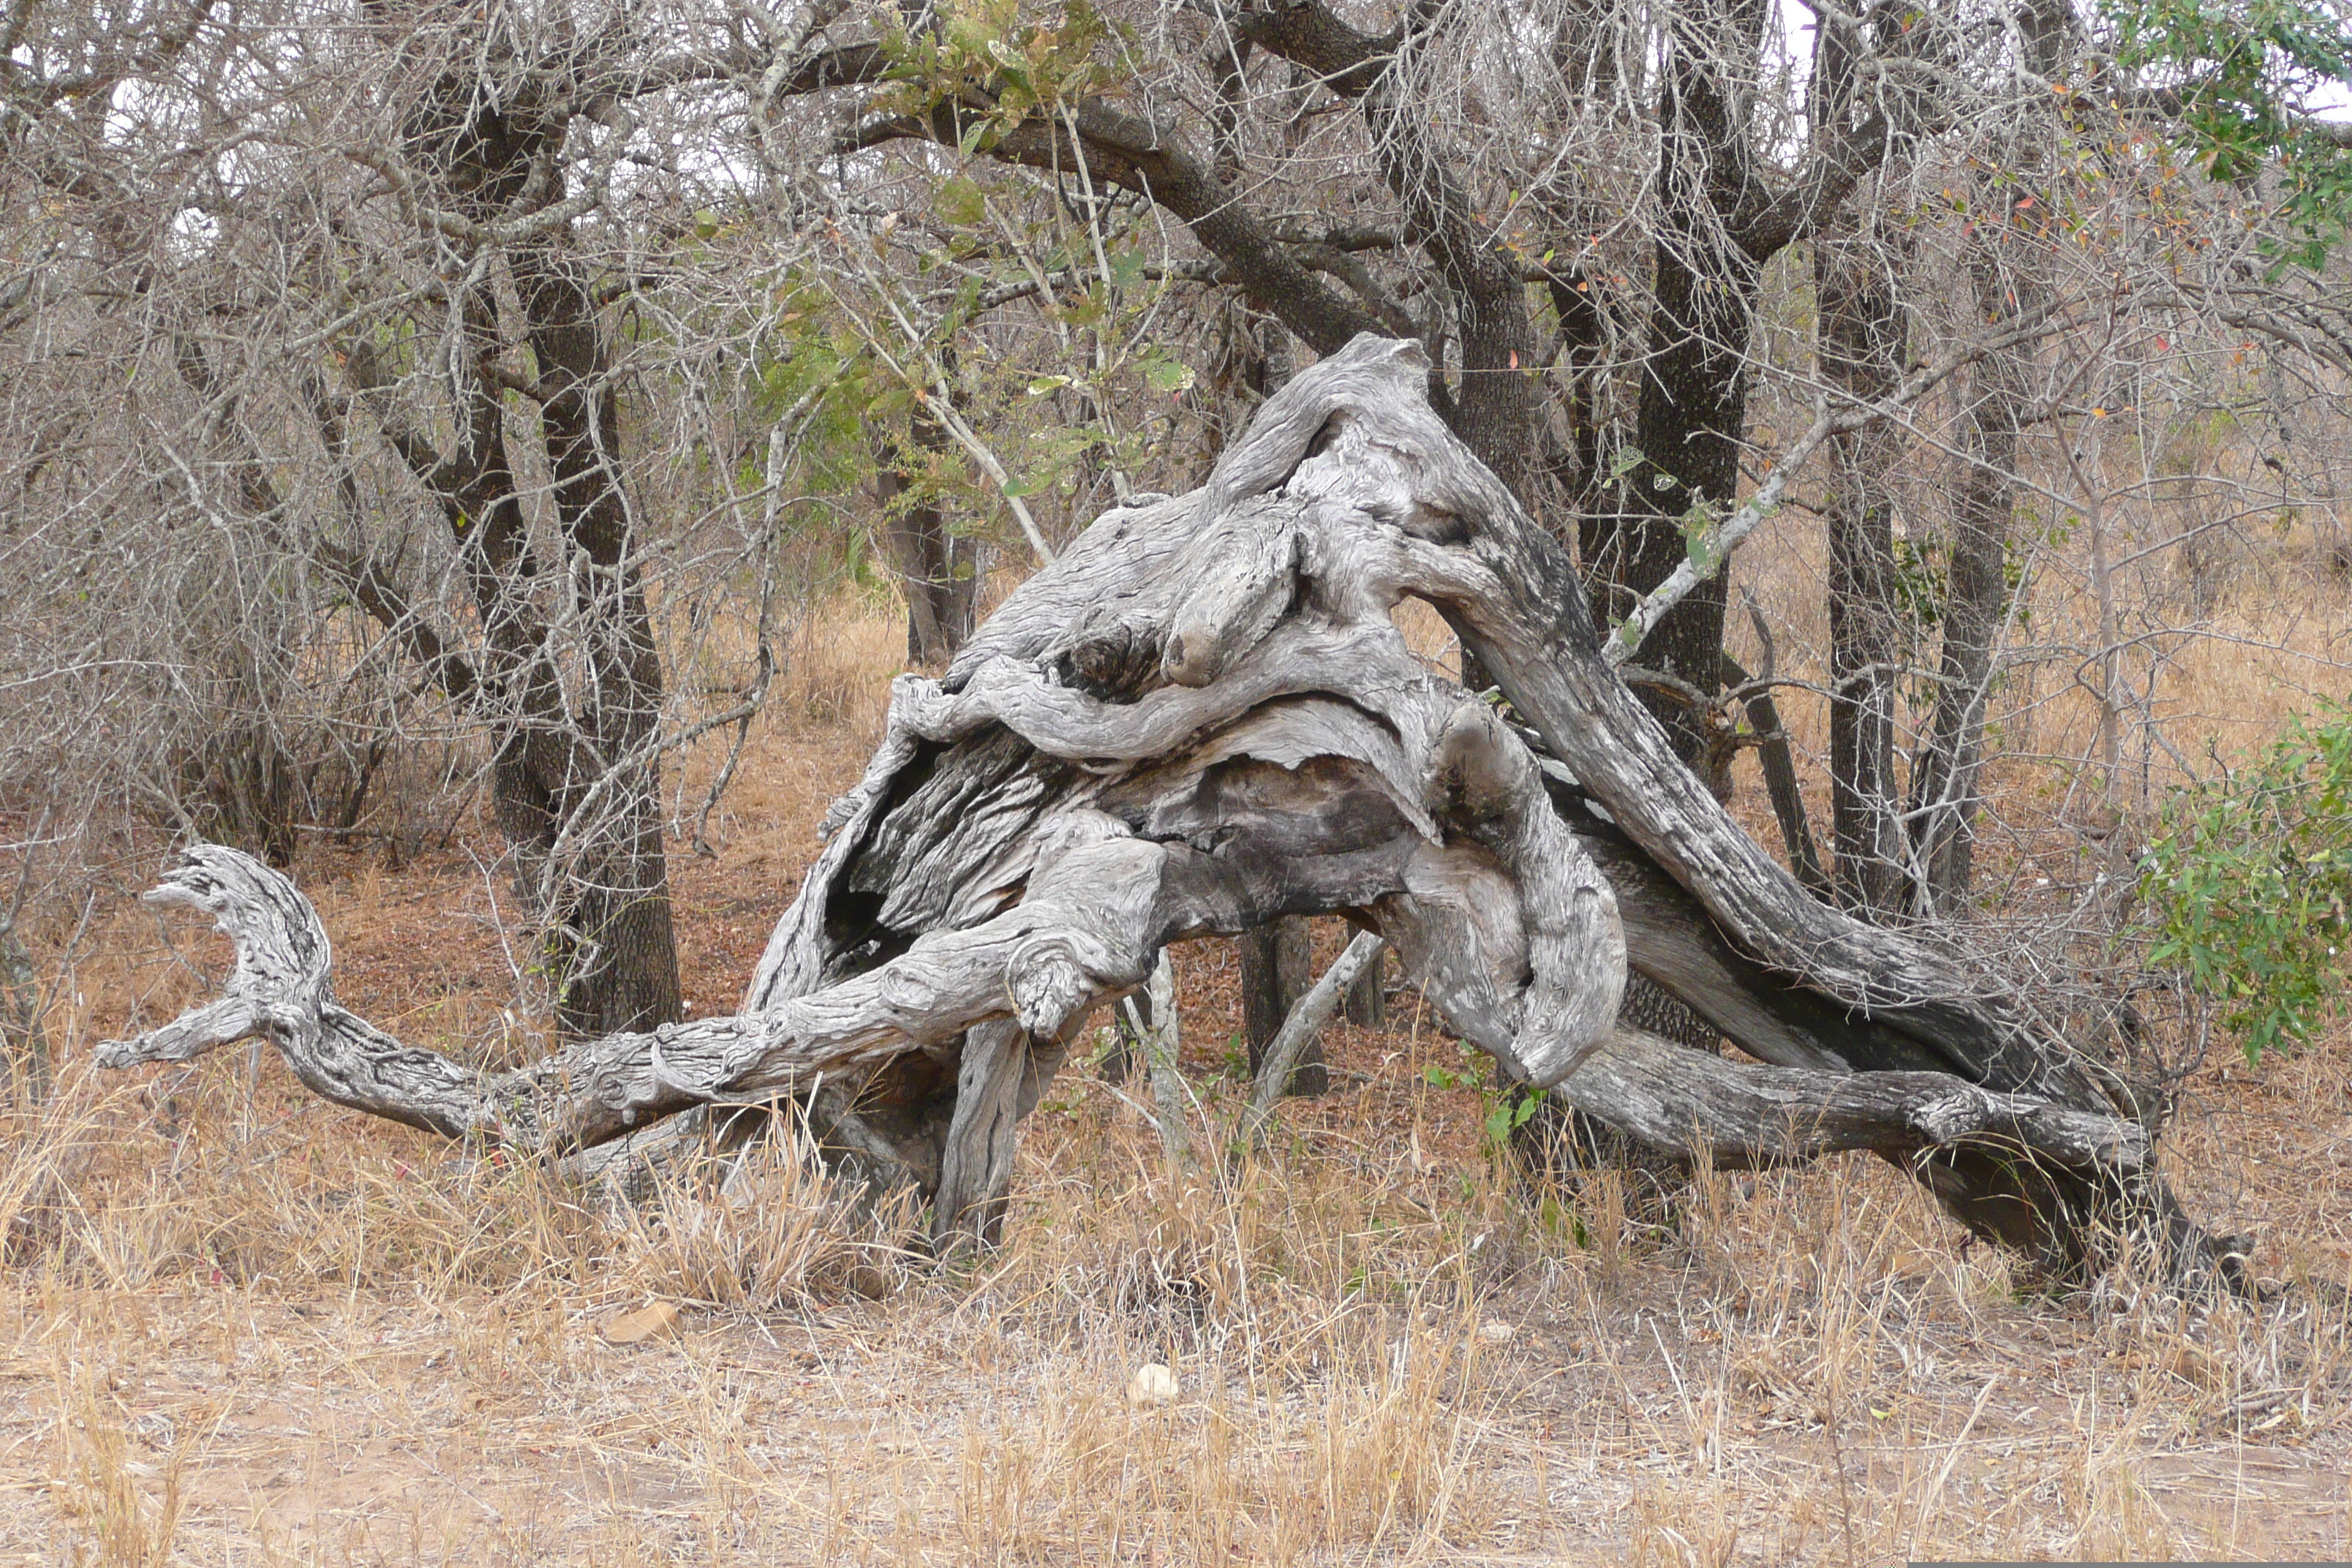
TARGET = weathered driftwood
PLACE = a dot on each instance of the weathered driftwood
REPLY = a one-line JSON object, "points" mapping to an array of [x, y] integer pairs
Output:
{"points": [[976, 1166], [1201, 718]]}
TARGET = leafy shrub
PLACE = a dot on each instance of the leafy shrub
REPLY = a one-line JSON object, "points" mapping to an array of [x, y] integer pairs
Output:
{"points": [[2246, 73], [2249, 881]]}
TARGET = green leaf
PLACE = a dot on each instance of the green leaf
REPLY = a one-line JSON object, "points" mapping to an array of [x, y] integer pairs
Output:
{"points": [[1168, 376], [959, 201], [1699, 538]]}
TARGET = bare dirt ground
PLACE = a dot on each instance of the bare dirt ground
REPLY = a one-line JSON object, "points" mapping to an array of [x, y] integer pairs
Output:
{"points": [[238, 1326]]}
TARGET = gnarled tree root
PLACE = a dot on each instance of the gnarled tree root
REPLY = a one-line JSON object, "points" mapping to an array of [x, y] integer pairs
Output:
{"points": [[1201, 718]]}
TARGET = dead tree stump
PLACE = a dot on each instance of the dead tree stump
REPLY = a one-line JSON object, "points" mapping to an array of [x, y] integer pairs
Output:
{"points": [[1202, 719]]}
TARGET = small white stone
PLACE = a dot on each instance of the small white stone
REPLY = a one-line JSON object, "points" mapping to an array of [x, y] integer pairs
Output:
{"points": [[1151, 1384], [654, 1321]]}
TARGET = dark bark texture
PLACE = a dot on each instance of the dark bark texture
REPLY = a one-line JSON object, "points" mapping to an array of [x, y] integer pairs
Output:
{"points": [[577, 786], [2009, 278], [1855, 279], [1277, 967], [938, 571]]}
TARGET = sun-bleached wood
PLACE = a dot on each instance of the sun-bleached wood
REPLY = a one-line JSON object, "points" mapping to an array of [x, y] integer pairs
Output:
{"points": [[1201, 717], [976, 1166]]}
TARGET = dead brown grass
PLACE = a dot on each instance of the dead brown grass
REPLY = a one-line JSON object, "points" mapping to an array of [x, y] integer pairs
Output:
{"points": [[2208, 673], [238, 1326]]}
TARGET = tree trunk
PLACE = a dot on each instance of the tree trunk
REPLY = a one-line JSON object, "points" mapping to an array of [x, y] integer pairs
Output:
{"points": [[1944, 790], [1693, 411], [1276, 1074], [620, 968], [1000, 1078], [578, 792], [1860, 259], [1856, 269], [1779, 766], [2009, 279], [1277, 968], [577, 783], [938, 569], [1367, 1003]]}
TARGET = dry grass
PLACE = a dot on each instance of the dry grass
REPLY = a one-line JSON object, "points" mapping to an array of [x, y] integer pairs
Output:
{"points": [[2210, 670], [238, 1326]]}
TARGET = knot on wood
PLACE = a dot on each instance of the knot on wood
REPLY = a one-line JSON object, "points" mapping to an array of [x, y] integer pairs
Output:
{"points": [[1478, 771], [1051, 979], [612, 1091], [1944, 1118], [1243, 573], [909, 991]]}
